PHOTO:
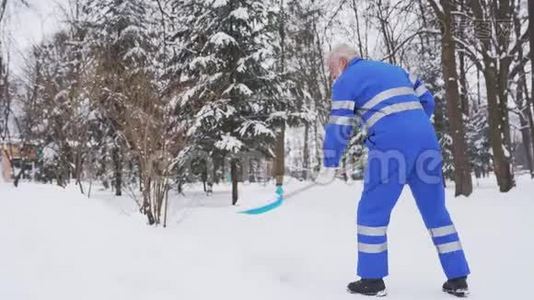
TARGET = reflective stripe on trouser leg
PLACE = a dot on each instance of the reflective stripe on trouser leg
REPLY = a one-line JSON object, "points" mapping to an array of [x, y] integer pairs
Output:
{"points": [[454, 262], [374, 209], [450, 251], [430, 199], [372, 231], [372, 251]]}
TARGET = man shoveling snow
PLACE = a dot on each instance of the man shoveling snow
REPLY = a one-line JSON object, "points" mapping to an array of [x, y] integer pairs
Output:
{"points": [[395, 108]]}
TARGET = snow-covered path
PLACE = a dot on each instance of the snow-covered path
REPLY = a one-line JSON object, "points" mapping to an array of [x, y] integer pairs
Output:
{"points": [[56, 244]]}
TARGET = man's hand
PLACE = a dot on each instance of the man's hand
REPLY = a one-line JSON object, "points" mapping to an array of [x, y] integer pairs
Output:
{"points": [[326, 176]]}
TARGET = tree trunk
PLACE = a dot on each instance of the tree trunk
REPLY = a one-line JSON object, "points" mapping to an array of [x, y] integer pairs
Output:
{"points": [[531, 40], [279, 152], [463, 75], [234, 176], [522, 105], [117, 165], [147, 202], [525, 135], [306, 152], [530, 121], [500, 161], [503, 75], [462, 168], [279, 161], [496, 73], [166, 205], [463, 85], [502, 94], [78, 169], [527, 122]]}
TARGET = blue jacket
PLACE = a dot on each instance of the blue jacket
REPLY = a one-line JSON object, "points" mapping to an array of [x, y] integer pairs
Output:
{"points": [[371, 91]]}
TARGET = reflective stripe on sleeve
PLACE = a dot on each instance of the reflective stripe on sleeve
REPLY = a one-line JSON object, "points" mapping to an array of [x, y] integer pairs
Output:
{"points": [[372, 248], [413, 79], [420, 91], [349, 105], [387, 94], [442, 231], [449, 247], [392, 109], [339, 120], [372, 231]]}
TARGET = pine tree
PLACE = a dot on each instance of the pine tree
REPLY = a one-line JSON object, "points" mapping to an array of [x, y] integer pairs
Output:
{"points": [[121, 28], [225, 57]]}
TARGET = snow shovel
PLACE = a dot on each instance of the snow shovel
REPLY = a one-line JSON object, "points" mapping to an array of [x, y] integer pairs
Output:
{"points": [[279, 200]]}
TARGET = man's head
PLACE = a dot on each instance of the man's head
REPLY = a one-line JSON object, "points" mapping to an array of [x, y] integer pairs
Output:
{"points": [[339, 58]]}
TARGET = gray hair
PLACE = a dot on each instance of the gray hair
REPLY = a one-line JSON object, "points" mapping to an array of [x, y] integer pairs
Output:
{"points": [[342, 51]]}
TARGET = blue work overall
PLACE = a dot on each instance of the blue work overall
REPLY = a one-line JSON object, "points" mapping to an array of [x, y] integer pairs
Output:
{"points": [[396, 108]]}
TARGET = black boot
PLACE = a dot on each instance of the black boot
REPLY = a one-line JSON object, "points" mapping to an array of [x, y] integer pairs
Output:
{"points": [[368, 287], [457, 287]]}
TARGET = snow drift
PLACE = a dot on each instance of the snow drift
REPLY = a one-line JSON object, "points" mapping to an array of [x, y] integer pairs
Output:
{"points": [[57, 244]]}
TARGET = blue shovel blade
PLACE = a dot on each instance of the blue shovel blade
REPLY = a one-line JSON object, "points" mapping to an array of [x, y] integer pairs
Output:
{"points": [[265, 208]]}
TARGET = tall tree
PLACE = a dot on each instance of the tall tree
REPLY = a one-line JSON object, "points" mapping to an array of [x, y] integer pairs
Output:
{"points": [[308, 86], [530, 100], [496, 70], [492, 50], [462, 168], [225, 57], [522, 98], [5, 91], [279, 149], [531, 41]]}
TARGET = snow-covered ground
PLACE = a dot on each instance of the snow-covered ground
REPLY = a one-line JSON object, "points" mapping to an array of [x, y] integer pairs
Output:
{"points": [[56, 244]]}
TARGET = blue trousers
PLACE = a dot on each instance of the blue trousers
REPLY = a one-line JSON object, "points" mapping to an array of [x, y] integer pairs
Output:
{"points": [[410, 157]]}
